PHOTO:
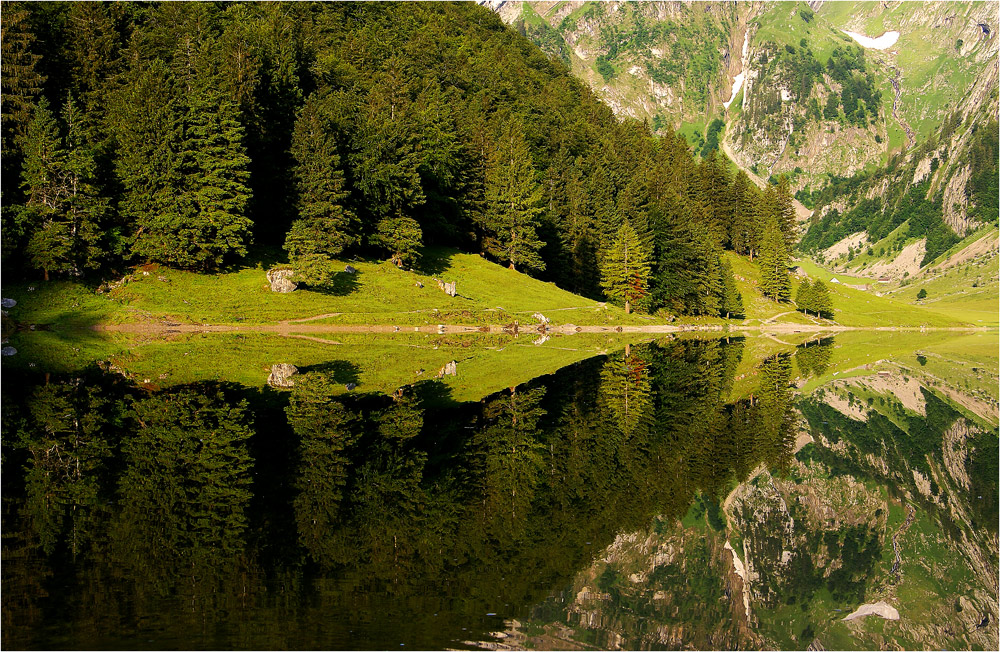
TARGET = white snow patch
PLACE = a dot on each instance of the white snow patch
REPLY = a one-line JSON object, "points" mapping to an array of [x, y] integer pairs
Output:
{"points": [[738, 80], [737, 83], [887, 40], [880, 608]]}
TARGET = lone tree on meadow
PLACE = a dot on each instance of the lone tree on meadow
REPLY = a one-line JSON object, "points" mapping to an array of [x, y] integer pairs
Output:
{"points": [[625, 270]]}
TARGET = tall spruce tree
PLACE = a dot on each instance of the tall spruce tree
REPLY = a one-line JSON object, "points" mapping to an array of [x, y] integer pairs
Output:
{"points": [[774, 280], [64, 207], [204, 223], [513, 201], [20, 82], [804, 298], [822, 303], [785, 211], [732, 300], [625, 269], [324, 227]]}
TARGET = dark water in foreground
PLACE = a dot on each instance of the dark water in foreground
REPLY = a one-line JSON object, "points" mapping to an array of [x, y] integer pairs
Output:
{"points": [[593, 507]]}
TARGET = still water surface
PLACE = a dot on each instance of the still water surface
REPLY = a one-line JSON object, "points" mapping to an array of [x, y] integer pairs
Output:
{"points": [[674, 494]]}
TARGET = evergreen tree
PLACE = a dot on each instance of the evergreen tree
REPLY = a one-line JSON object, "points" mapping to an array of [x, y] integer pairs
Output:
{"points": [[324, 226], [625, 269], [49, 245], [65, 208], [746, 226], [686, 276], [822, 303], [805, 298], [402, 236], [513, 202], [785, 210], [773, 262], [732, 300], [20, 82]]}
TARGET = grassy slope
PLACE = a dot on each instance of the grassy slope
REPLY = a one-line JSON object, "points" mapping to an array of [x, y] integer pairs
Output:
{"points": [[968, 292], [852, 307], [379, 293]]}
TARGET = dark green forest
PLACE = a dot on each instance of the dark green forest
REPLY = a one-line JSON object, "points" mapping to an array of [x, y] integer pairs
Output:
{"points": [[210, 135]]}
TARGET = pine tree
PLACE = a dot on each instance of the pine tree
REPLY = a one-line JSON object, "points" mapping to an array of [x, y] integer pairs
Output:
{"points": [[625, 269], [20, 82], [402, 236], [732, 300], [513, 202], [773, 262], [85, 206], [324, 227], [64, 207], [785, 211], [822, 303], [805, 298], [686, 276], [746, 226], [203, 222]]}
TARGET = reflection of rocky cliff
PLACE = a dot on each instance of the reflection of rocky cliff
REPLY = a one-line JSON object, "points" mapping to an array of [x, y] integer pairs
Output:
{"points": [[880, 507]]}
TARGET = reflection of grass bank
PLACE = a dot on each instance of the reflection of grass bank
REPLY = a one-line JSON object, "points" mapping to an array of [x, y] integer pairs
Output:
{"points": [[486, 364]]}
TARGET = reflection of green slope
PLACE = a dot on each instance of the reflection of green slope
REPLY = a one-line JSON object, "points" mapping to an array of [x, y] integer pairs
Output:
{"points": [[380, 364]]}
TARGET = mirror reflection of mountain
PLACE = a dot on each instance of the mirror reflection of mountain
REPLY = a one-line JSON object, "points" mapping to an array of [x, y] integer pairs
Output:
{"points": [[674, 494], [889, 506]]}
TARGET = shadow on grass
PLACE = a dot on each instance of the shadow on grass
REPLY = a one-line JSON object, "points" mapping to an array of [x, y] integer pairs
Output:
{"points": [[434, 260], [341, 372], [342, 284]]}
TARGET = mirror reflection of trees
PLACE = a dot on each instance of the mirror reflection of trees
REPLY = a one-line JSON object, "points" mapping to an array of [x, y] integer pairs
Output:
{"points": [[154, 502]]}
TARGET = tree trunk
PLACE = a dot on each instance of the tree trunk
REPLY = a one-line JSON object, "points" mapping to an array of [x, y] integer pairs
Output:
{"points": [[628, 307], [46, 274]]}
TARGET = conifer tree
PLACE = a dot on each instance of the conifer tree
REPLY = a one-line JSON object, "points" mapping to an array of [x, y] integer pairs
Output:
{"points": [[686, 277], [805, 298], [822, 303], [513, 202], [402, 236], [625, 269], [773, 262], [204, 222], [64, 206], [732, 300], [785, 211], [324, 227], [20, 82], [746, 226]]}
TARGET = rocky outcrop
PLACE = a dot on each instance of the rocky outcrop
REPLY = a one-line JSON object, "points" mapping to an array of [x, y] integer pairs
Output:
{"points": [[281, 375], [281, 280]]}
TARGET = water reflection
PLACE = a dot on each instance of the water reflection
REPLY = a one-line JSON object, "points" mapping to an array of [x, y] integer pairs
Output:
{"points": [[643, 499]]}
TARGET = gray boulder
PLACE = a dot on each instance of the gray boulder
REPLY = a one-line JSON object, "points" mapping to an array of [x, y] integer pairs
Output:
{"points": [[281, 375], [8, 303], [280, 280], [8, 350]]}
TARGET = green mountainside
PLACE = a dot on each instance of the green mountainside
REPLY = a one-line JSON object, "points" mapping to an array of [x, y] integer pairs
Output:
{"points": [[893, 146]]}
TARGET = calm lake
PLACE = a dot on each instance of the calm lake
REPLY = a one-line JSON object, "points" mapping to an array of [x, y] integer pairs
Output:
{"points": [[575, 493]]}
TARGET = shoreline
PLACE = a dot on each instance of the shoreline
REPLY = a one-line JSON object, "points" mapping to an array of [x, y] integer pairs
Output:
{"points": [[288, 328]]}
